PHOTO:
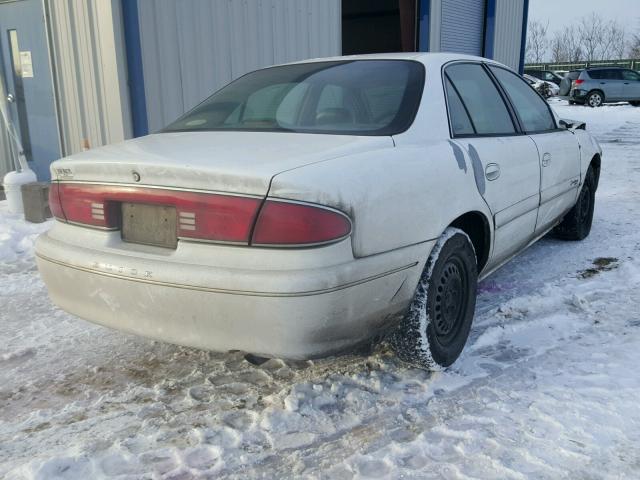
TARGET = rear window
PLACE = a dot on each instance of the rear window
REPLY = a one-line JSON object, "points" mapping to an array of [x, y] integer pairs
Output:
{"points": [[361, 97]]}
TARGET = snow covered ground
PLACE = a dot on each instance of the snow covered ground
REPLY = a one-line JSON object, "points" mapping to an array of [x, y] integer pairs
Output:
{"points": [[548, 386]]}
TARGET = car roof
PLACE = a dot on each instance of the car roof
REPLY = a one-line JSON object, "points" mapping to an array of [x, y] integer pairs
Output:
{"points": [[606, 68], [427, 58]]}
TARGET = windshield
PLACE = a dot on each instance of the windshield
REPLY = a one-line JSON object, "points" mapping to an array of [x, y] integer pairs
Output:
{"points": [[361, 97]]}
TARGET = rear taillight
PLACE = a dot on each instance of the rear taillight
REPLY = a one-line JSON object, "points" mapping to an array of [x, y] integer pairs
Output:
{"points": [[201, 216], [283, 223], [578, 82], [54, 201], [204, 216], [87, 205]]}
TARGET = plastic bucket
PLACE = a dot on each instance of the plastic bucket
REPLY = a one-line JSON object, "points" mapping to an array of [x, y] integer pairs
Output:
{"points": [[13, 182]]}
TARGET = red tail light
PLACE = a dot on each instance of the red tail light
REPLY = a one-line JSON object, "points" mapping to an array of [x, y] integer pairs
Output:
{"points": [[578, 82], [288, 224], [54, 201], [202, 216]]}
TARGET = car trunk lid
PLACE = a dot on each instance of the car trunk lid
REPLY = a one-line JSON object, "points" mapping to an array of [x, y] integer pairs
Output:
{"points": [[231, 162]]}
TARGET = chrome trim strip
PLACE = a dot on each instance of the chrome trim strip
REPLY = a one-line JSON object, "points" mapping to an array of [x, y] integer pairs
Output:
{"points": [[162, 187], [228, 291], [95, 227]]}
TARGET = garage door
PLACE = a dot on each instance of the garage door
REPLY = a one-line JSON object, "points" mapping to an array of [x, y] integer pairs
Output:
{"points": [[462, 26]]}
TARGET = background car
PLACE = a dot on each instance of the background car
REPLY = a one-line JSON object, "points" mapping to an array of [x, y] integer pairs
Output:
{"points": [[546, 75], [544, 88], [595, 86]]}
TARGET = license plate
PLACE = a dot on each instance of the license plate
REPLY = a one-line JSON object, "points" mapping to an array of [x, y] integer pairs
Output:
{"points": [[149, 224]]}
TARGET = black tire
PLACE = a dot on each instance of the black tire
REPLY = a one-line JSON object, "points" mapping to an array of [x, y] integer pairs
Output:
{"points": [[635, 103], [436, 326], [576, 224], [594, 99]]}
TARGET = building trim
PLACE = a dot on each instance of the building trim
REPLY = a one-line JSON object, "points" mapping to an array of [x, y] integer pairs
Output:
{"points": [[134, 66], [489, 28], [424, 19], [523, 37]]}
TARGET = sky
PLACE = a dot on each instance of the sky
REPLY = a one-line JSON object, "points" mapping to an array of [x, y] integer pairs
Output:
{"points": [[563, 13]]}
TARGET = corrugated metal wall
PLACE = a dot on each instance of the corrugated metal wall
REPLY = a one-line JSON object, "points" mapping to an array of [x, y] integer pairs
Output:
{"points": [[462, 29], [508, 32], [87, 48], [190, 48]]}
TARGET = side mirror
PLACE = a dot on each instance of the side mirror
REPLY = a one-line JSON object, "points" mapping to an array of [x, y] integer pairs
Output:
{"points": [[572, 124]]}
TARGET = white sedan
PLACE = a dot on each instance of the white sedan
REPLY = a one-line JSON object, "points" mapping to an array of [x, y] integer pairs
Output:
{"points": [[305, 209]]}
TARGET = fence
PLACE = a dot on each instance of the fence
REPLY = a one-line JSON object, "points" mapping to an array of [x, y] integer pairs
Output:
{"points": [[633, 64]]}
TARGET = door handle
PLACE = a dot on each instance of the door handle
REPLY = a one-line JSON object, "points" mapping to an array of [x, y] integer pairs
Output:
{"points": [[11, 98], [546, 159], [492, 171]]}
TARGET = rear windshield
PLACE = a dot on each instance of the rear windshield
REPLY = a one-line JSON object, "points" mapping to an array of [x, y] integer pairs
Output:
{"points": [[362, 97]]}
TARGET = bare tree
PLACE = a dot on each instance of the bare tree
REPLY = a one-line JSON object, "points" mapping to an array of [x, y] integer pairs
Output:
{"points": [[591, 30], [634, 47], [571, 36], [558, 47], [613, 43], [537, 42]]}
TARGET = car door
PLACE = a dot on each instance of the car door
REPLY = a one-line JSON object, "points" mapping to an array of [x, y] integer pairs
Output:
{"points": [[558, 149], [609, 81], [631, 85], [505, 163]]}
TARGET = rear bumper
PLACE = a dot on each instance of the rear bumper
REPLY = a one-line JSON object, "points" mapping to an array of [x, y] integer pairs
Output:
{"points": [[578, 95], [262, 304]]}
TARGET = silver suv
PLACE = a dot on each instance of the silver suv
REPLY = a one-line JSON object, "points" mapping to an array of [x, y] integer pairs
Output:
{"points": [[595, 86]]}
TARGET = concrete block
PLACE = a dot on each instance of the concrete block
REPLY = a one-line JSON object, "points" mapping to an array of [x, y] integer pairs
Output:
{"points": [[35, 197]]}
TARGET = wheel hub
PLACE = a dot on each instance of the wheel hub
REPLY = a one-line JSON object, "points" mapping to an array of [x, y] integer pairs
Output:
{"points": [[449, 301]]}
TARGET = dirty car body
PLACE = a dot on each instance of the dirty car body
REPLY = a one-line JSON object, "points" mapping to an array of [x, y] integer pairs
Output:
{"points": [[291, 214]]}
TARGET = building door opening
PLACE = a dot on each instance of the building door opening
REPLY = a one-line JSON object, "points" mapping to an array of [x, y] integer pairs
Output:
{"points": [[28, 84], [378, 26]]}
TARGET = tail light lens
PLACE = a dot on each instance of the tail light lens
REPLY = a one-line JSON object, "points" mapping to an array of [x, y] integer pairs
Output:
{"points": [[201, 216], [293, 224], [578, 82], [204, 216]]}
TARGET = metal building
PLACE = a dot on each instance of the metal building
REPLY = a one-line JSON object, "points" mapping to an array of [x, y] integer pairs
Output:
{"points": [[83, 73]]}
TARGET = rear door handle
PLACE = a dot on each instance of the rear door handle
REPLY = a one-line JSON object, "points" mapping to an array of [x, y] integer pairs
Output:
{"points": [[492, 171], [546, 159]]}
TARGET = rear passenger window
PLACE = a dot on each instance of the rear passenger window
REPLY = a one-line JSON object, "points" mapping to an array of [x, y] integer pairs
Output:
{"points": [[532, 110], [487, 111], [604, 74], [460, 121]]}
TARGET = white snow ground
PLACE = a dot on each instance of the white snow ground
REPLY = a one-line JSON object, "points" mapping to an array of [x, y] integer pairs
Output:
{"points": [[548, 386]]}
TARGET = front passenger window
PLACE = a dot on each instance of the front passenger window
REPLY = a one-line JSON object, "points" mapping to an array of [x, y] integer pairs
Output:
{"points": [[532, 110], [630, 75]]}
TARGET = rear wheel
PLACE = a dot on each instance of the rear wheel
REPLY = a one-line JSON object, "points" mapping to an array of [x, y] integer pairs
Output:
{"points": [[594, 99], [576, 224], [434, 330], [635, 103]]}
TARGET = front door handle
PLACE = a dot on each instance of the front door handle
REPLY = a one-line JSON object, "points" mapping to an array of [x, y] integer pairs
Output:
{"points": [[492, 171], [546, 159]]}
